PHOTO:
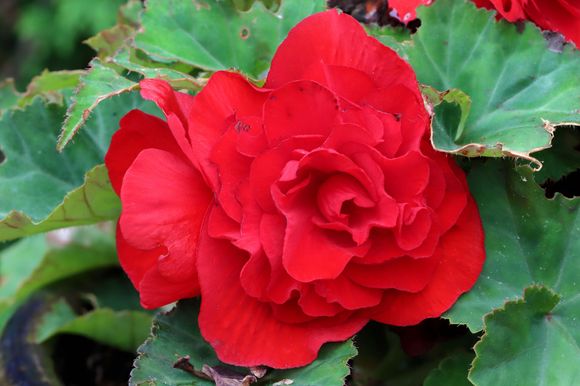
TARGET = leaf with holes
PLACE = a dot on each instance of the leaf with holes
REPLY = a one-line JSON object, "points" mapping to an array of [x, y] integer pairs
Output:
{"points": [[518, 88], [563, 157], [214, 35], [528, 239], [176, 335], [530, 341], [32, 165]]}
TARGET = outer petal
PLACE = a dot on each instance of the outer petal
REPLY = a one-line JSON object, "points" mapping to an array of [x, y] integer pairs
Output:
{"points": [[244, 331], [176, 107], [461, 254], [138, 131], [337, 40], [155, 290], [164, 204], [136, 262], [556, 15]]}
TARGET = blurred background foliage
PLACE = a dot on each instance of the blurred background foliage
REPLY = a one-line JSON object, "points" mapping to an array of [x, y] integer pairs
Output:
{"points": [[48, 34]]}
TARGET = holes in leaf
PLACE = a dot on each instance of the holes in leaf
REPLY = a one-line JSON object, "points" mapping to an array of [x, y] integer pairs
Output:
{"points": [[244, 33], [561, 170], [2, 157], [568, 186]]}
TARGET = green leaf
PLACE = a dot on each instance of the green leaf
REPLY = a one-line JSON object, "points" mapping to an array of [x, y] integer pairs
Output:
{"points": [[531, 341], [30, 264], [32, 164], [519, 89], [128, 59], [176, 334], [107, 42], [330, 368], [528, 239], [93, 201], [452, 371], [214, 35], [130, 328], [49, 85], [100, 83]]}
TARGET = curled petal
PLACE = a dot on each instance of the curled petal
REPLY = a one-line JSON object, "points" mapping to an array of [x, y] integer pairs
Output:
{"points": [[461, 254]]}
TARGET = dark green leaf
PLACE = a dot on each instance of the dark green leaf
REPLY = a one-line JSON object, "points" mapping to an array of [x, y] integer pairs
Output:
{"points": [[452, 371]]}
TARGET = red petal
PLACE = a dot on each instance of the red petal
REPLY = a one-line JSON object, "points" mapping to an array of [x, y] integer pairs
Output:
{"points": [[157, 290], [336, 40], [403, 273], [154, 289], [244, 331], [313, 304], [136, 262], [461, 255], [406, 176], [414, 228], [299, 108], [561, 15], [255, 276], [138, 131], [164, 204], [310, 255], [175, 105], [348, 294], [510, 10]]}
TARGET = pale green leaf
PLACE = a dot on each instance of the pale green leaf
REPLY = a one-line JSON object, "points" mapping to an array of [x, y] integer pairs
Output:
{"points": [[519, 89], [530, 341], [214, 35]]}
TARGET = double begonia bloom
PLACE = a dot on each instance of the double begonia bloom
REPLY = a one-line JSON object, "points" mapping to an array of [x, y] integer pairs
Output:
{"points": [[299, 210], [562, 16]]}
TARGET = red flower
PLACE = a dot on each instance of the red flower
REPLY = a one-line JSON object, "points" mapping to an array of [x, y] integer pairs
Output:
{"points": [[554, 15], [300, 210]]}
